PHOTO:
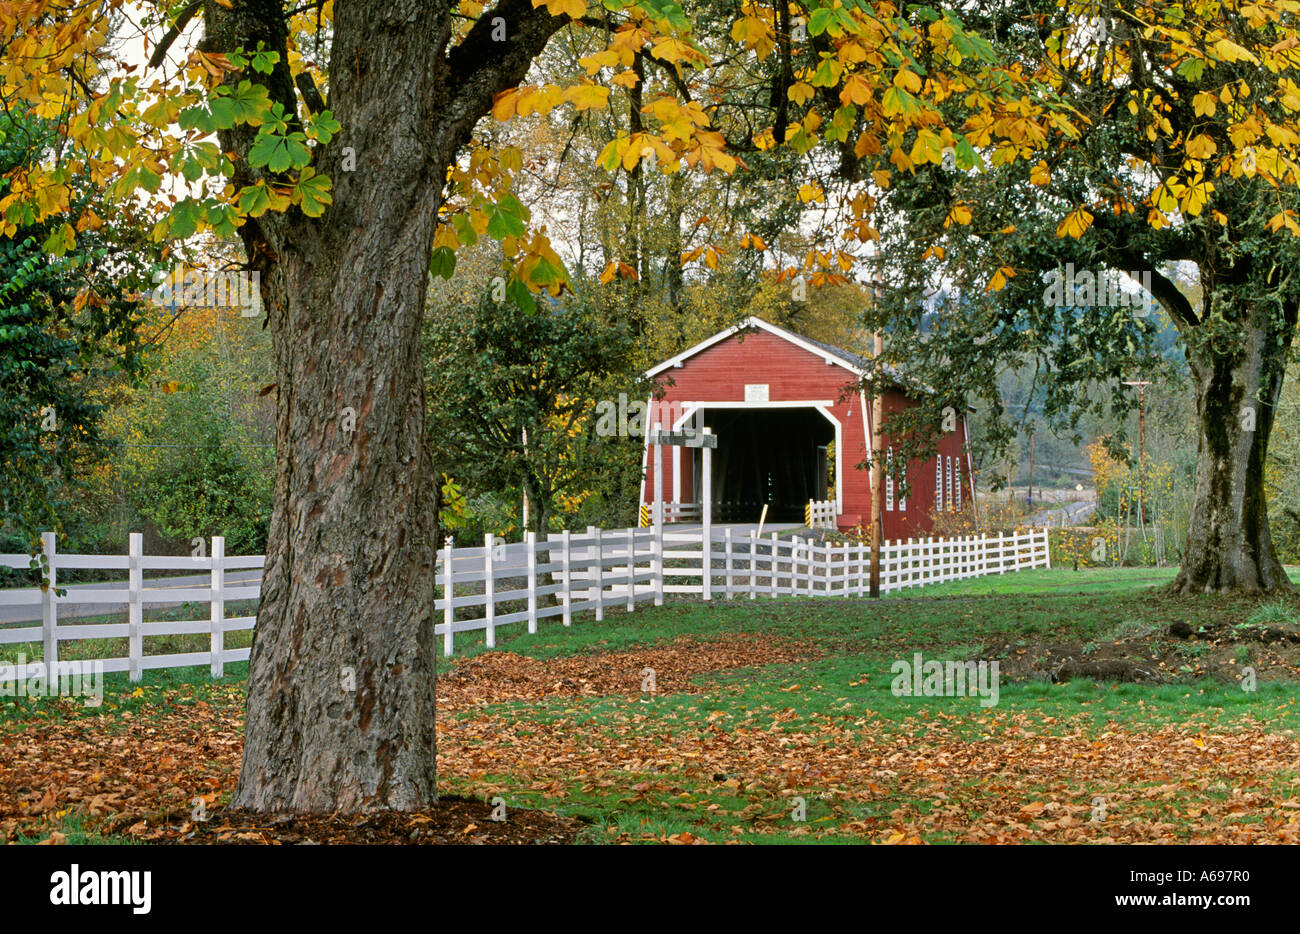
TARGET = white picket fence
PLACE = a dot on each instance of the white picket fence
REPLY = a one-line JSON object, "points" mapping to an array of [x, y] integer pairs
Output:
{"points": [[499, 584], [819, 514]]}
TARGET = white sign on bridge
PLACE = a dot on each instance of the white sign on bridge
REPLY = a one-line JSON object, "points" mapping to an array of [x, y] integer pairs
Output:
{"points": [[689, 438]]}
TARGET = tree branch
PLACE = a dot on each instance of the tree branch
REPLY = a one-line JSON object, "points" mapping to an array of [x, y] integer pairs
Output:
{"points": [[480, 66], [172, 34]]}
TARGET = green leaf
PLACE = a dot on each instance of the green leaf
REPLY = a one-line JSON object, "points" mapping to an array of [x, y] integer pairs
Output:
{"points": [[279, 153], [223, 112], [313, 191], [518, 293], [819, 21], [323, 127], [183, 220], [61, 240], [443, 262], [502, 224], [255, 200], [249, 103], [1191, 69], [511, 203], [222, 218], [464, 229], [264, 61]]}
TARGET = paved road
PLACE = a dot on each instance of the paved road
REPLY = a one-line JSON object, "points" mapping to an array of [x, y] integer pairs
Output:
{"points": [[1072, 513]]}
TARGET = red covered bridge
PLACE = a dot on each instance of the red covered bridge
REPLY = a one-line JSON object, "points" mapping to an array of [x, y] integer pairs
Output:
{"points": [[792, 427]]}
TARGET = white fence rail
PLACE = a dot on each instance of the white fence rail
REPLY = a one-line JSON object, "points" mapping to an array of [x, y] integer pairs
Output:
{"points": [[496, 584], [819, 514]]}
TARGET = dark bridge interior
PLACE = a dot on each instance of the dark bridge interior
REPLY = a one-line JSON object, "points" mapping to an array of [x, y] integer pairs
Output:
{"points": [[772, 456]]}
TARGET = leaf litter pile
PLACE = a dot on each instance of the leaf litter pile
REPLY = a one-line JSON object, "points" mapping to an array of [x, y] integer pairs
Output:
{"points": [[687, 762], [1182, 652]]}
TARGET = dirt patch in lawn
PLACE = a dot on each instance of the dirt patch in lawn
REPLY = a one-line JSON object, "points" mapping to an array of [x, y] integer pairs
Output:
{"points": [[1179, 653], [452, 820], [496, 677]]}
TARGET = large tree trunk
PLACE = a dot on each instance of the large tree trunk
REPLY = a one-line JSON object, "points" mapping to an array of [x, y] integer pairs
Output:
{"points": [[1229, 546], [341, 678]]}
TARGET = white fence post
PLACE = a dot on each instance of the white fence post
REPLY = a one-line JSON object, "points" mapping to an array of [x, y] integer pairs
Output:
{"points": [[753, 564], [726, 543], [772, 582], [449, 597], [597, 573], [1047, 547], [135, 639], [217, 640], [565, 572], [657, 564], [49, 609], [631, 569], [530, 539], [489, 592], [706, 562], [844, 568]]}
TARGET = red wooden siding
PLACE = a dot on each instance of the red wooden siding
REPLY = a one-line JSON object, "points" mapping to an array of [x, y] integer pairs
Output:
{"points": [[717, 375]]}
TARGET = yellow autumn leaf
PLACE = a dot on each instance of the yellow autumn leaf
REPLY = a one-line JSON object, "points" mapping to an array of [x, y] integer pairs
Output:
{"points": [[959, 214], [1229, 51], [999, 280], [673, 50], [1075, 223], [908, 80], [607, 58], [504, 104], [809, 192], [587, 96], [1200, 146], [1194, 198], [856, 90]]}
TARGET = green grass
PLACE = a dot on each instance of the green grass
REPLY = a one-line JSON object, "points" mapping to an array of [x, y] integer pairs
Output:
{"points": [[855, 640]]}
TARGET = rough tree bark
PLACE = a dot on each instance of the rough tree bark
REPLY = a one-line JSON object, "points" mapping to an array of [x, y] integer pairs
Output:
{"points": [[341, 681], [1238, 380], [1229, 545]]}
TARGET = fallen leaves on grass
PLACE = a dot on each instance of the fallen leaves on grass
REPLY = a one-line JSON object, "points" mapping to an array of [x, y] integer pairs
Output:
{"points": [[452, 820], [497, 677], [703, 767], [923, 779]]}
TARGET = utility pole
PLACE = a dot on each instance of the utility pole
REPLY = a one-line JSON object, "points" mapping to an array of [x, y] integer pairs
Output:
{"points": [[1031, 467], [1141, 385]]}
